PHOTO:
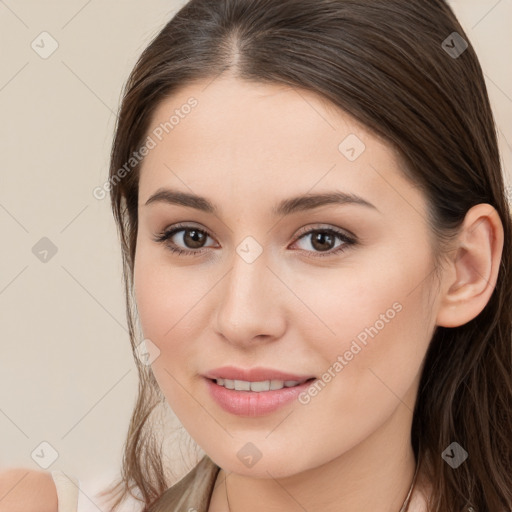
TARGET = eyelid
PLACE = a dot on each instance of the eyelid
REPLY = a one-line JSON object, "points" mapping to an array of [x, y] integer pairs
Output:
{"points": [[302, 231], [321, 227]]}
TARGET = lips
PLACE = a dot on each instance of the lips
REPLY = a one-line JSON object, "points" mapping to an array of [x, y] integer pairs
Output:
{"points": [[251, 404], [257, 374]]}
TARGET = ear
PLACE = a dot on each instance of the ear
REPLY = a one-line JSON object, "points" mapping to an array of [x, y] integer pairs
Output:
{"points": [[472, 271]]}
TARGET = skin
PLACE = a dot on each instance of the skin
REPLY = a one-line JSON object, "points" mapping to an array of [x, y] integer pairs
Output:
{"points": [[27, 490], [245, 147]]}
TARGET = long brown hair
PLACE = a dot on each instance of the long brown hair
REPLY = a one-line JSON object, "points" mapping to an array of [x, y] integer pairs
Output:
{"points": [[391, 65]]}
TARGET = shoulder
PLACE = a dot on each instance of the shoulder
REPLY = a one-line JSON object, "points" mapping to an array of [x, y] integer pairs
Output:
{"points": [[27, 490]]}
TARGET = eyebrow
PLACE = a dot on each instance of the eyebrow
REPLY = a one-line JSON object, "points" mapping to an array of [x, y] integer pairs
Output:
{"points": [[286, 207]]}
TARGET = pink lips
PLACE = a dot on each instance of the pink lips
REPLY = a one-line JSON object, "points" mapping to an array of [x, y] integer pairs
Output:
{"points": [[253, 403], [257, 374]]}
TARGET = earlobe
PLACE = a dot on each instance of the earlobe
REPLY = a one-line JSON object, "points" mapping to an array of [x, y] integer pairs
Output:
{"points": [[472, 272]]}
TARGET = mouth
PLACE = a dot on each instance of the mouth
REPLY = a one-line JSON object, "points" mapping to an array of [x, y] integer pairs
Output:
{"points": [[227, 375], [255, 398], [259, 386]]}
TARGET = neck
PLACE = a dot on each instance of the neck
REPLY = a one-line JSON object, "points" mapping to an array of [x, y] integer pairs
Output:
{"points": [[376, 475]]}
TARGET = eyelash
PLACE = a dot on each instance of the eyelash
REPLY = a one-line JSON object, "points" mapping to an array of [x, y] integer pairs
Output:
{"points": [[169, 233]]}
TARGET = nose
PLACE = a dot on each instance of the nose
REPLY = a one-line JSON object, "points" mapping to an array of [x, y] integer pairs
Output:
{"points": [[250, 307]]}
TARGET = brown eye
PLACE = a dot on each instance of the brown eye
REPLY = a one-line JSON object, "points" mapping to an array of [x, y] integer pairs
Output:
{"points": [[323, 240], [193, 239]]}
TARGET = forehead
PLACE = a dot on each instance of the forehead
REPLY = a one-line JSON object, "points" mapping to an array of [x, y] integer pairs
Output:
{"points": [[252, 120], [266, 138]]}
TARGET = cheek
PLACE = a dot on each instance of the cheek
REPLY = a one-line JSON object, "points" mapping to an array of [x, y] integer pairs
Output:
{"points": [[159, 310], [170, 307], [151, 299], [163, 294], [375, 330], [385, 294]]}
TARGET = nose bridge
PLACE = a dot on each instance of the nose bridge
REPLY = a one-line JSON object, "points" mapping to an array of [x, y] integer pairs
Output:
{"points": [[248, 308]]}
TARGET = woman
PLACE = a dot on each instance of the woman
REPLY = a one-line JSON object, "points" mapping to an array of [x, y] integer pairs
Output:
{"points": [[316, 243]]}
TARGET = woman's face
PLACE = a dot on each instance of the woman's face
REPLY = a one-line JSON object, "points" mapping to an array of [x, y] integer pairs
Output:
{"points": [[351, 304]]}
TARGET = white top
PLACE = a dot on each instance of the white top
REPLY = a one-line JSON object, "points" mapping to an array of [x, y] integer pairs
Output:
{"points": [[67, 491], [74, 496]]}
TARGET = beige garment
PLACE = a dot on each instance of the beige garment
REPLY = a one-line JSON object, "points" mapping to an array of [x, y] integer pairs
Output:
{"points": [[192, 493]]}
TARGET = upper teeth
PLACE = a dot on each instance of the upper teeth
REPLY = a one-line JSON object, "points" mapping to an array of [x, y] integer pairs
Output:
{"points": [[266, 385]]}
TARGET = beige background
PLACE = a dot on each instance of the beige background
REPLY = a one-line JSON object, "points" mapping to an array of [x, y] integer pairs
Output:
{"points": [[66, 370]]}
